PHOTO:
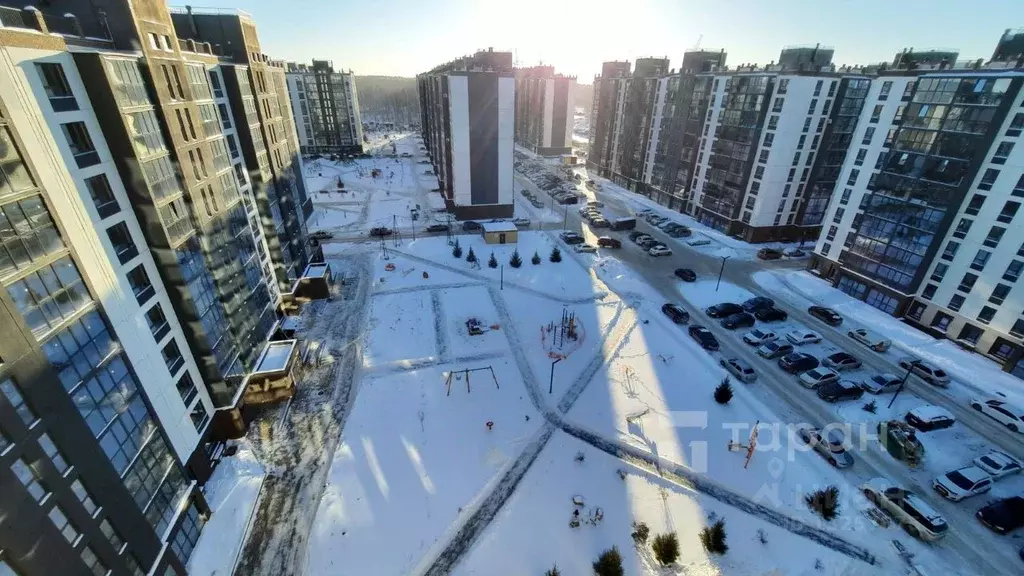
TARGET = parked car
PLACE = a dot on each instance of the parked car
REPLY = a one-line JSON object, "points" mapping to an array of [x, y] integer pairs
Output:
{"points": [[667, 224], [757, 337], [739, 369], [826, 315], [659, 251], [704, 337], [649, 242], [471, 226], [685, 274], [635, 234], [676, 313], [571, 238], [595, 203], [639, 240], [928, 418], [774, 349], [841, 361], [680, 232], [998, 464], [724, 309], [599, 222], [769, 254], [797, 362], [587, 248], [801, 337], [757, 303], [738, 320], [378, 231], [832, 448], [1001, 411], [608, 242], [521, 222], [437, 228], [870, 339], [321, 235], [909, 510], [962, 483], [771, 315], [841, 390], [698, 242], [931, 374], [795, 253], [818, 376], [881, 383], [1003, 516]]}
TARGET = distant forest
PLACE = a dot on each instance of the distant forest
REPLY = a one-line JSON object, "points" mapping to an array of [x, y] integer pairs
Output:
{"points": [[388, 99]]}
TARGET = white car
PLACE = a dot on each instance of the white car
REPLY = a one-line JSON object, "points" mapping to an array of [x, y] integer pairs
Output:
{"points": [[998, 464], [880, 383], [818, 376], [756, 337], [595, 204], [801, 337], [931, 374], [659, 251], [585, 248], [870, 339], [916, 516], [1001, 411], [962, 483]]}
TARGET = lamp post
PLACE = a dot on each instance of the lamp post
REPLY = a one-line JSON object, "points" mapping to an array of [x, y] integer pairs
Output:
{"points": [[551, 381], [904, 381], [720, 272]]}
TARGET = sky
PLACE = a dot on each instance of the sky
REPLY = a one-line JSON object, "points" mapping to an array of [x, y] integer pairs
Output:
{"points": [[404, 37]]}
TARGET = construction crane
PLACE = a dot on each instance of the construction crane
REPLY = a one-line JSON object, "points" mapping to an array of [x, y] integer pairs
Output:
{"points": [[697, 45]]}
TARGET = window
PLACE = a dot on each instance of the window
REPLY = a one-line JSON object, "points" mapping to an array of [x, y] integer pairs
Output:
{"points": [[121, 238], [60, 520], [1013, 271], [876, 114], [988, 179], [191, 125], [1016, 125], [27, 234], [1002, 349], [50, 449], [102, 195], [868, 135], [967, 283], [181, 124], [940, 272], [199, 416], [950, 252], [218, 91], [165, 42], [56, 86], [861, 154], [777, 105], [845, 198], [240, 175], [112, 536], [882, 301], [929, 291], [141, 286], [792, 175], [83, 496], [77, 350], [796, 158], [1018, 328], [826, 248], [30, 480], [773, 122], [999, 294], [93, 561], [831, 233], [188, 534], [1002, 152], [48, 296], [77, 136], [956, 302], [970, 334], [813, 105], [980, 259], [225, 118], [172, 357], [177, 83], [154, 41], [852, 179], [994, 236], [14, 177], [158, 325], [840, 212], [962, 228], [232, 146], [941, 321], [186, 388], [986, 315], [783, 86], [883, 94], [916, 310], [769, 138], [807, 124], [975, 205]]}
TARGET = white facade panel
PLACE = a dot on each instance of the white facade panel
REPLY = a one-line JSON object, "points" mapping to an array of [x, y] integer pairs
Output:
{"points": [[506, 135], [458, 103]]}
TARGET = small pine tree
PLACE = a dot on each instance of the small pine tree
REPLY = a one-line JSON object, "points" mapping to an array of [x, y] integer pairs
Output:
{"points": [[666, 548], [824, 502], [471, 257], [515, 261], [553, 571], [723, 392], [535, 259], [609, 563], [556, 255], [457, 250], [870, 407], [492, 261], [761, 536], [640, 533], [713, 538]]}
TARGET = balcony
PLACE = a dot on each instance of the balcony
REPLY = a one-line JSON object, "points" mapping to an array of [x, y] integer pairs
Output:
{"points": [[88, 31]]}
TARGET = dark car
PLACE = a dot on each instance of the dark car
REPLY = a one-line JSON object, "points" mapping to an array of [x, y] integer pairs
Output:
{"points": [[826, 315], [772, 314], [724, 309], [680, 232], [677, 314], [1004, 515], [380, 231], [769, 254], [635, 234], [321, 235], [571, 238], [798, 362], [686, 274], [704, 337], [437, 228], [841, 390], [471, 226], [757, 303], [608, 242], [738, 320], [649, 243]]}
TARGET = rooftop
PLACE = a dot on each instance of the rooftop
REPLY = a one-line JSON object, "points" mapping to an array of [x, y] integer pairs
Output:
{"points": [[275, 356], [499, 227]]}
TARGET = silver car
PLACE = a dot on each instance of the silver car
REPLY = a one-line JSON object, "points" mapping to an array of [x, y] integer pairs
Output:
{"points": [[928, 372], [739, 369]]}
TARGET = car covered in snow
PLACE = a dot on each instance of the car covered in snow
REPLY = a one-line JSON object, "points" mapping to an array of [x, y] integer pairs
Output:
{"points": [[998, 464], [471, 226], [802, 337], [929, 373], [870, 339], [587, 248], [797, 362], [927, 418], [909, 510], [881, 383], [771, 314], [739, 369], [774, 349], [675, 312], [841, 361], [826, 315], [962, 483], [832, 447], [659, 251], [722, 310], [704, 337], [757, 336], [841, 390], [1001, 411], [321, 235], [1003, 516], [818, 376], [738, 320]]}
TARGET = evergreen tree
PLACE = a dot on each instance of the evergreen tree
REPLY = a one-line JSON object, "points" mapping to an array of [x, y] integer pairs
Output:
{"points": [[492, 261], [723, 392], [535, 259], [556, 255], [609, 563], [515, 261], [824, 502], [640, 533], [471, 257], [457, 250], [713, 538], [666, 548], [553, 571]]}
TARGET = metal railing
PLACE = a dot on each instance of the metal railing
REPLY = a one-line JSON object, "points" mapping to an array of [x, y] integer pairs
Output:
{"points": [[11, 17]]}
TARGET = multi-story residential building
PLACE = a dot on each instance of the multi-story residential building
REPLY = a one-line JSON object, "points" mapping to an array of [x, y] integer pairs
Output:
{"points": [[468, 120], [138, 231], [544, 110], [325, 107], [605, 116], [922, 221]]}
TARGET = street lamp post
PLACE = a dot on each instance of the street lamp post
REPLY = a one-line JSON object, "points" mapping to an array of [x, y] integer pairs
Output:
{"points": [[720, 272], [904, 381], [551, 381]]}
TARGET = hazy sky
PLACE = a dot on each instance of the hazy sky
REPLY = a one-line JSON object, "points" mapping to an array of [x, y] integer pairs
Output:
{"points": [[403, 37]]}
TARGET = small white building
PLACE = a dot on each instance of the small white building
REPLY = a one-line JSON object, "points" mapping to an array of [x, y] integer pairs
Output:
{"points": [[500, 232]]}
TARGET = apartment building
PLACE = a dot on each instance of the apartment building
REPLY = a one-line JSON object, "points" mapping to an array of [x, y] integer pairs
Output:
{"points": [[140, 281], [325, 106], [544, 110], [468, 123], [922, 222]]}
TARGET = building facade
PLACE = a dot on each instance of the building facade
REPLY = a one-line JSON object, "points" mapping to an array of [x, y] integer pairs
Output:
{"points": [[544, 110], [922, 221], [325, 108], [142, 260], [468, 124]]}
